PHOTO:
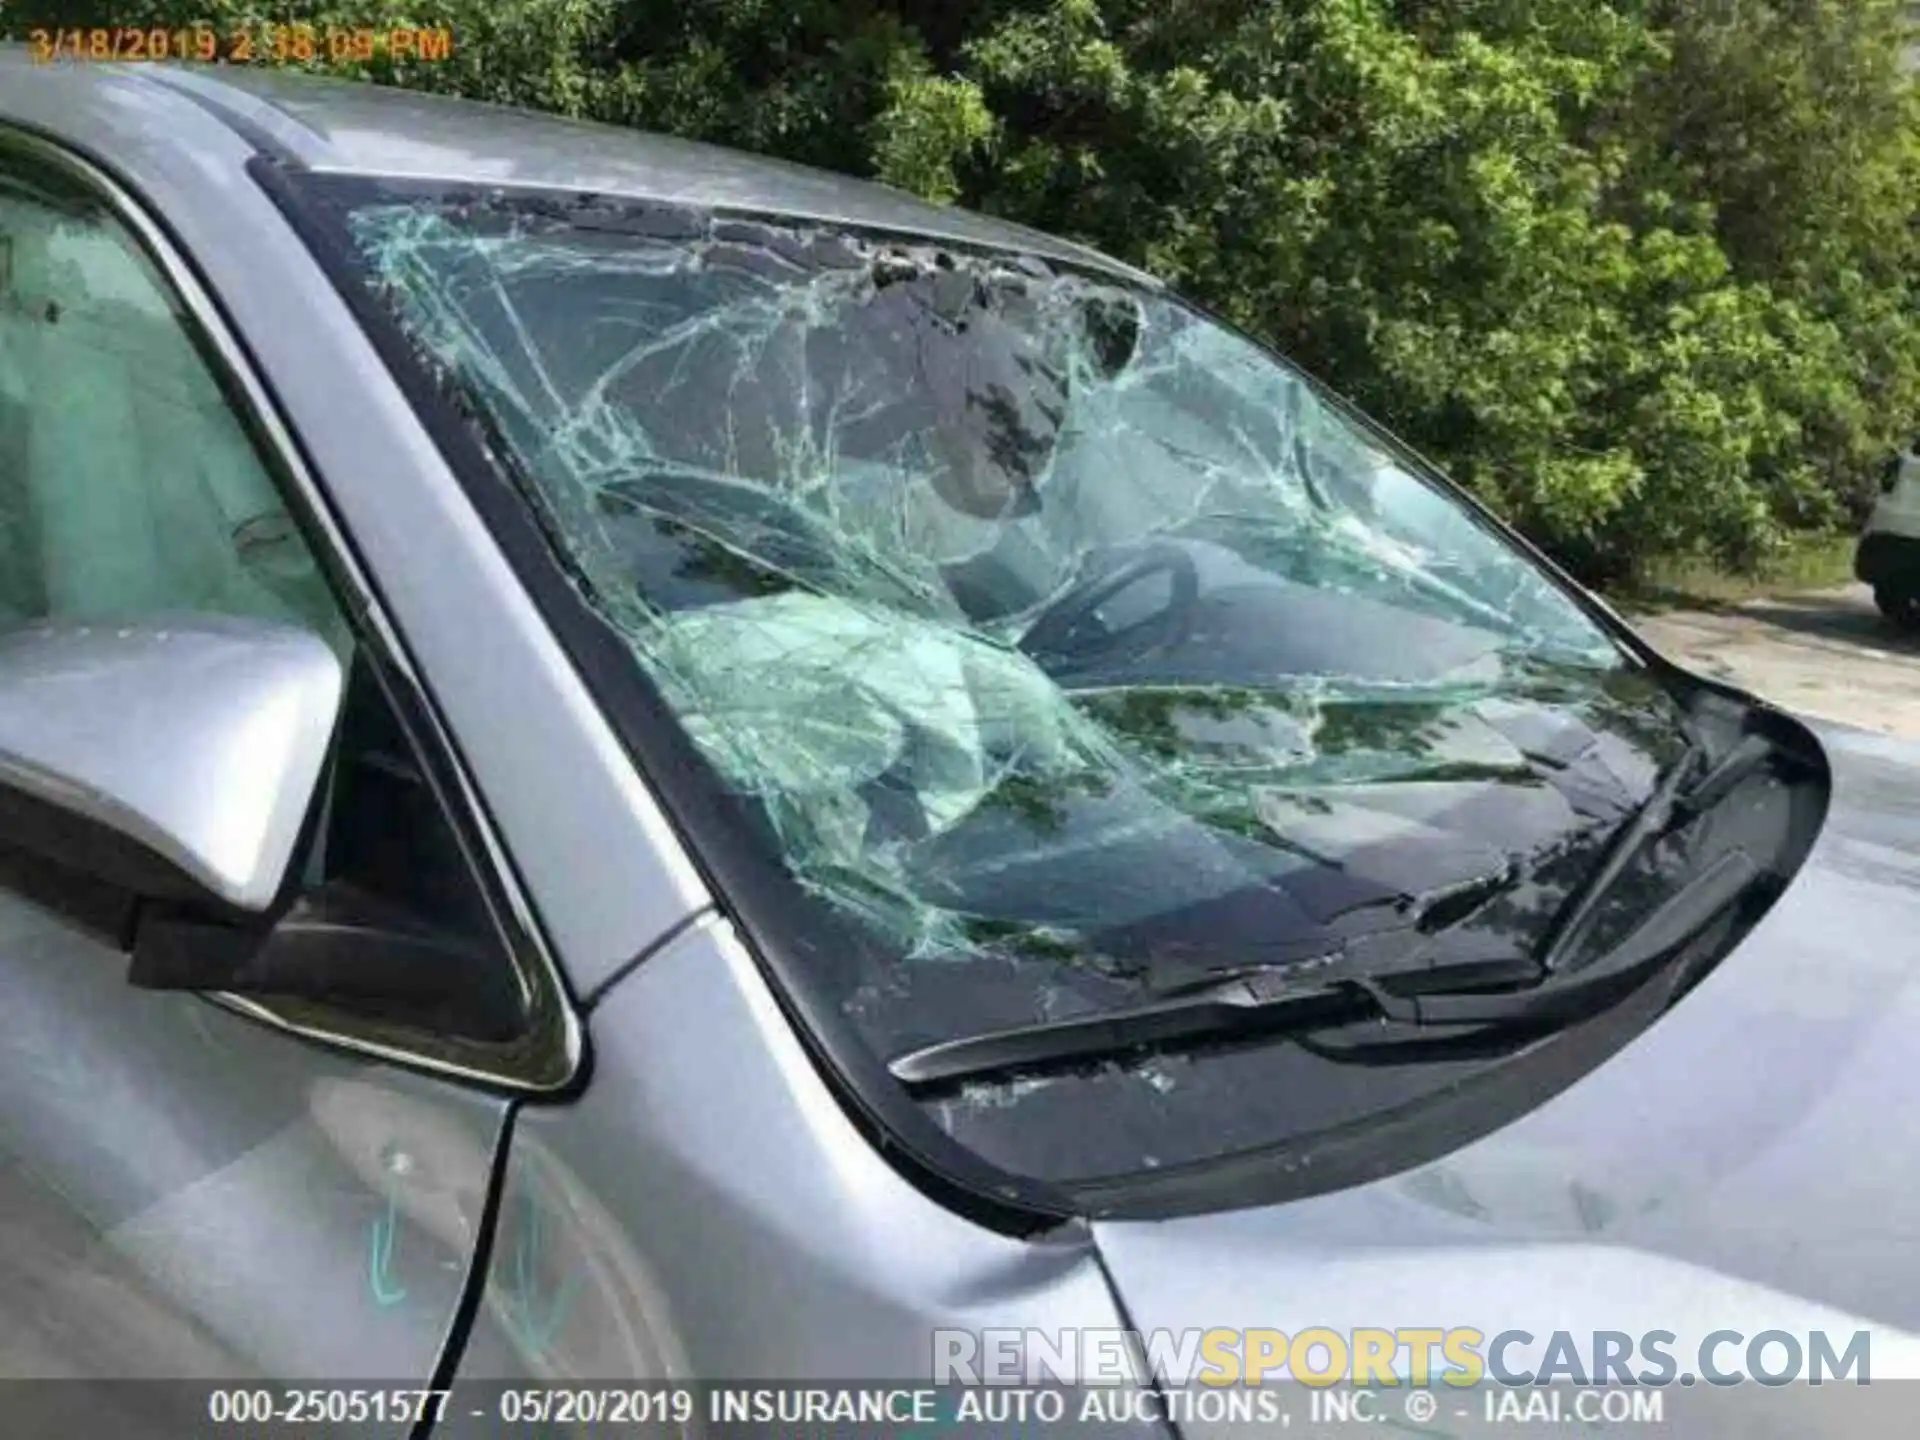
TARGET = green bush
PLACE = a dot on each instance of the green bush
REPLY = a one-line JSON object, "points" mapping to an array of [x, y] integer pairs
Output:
{"points": [[1642, 273]]}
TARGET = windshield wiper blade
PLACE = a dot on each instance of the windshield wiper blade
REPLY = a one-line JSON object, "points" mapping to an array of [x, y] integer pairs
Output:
{"points": [[1455, 995], [1250, 997], [1244, 1004]]}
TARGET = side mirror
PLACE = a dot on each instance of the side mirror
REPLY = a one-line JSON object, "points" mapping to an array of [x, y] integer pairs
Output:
{"points": [[177, 757]]}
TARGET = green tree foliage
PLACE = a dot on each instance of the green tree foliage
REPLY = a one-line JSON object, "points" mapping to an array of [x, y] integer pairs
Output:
{"points": [[1641, 272]]}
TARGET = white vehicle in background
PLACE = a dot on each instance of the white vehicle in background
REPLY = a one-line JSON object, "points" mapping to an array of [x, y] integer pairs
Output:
{"points": [[1889, 555]]}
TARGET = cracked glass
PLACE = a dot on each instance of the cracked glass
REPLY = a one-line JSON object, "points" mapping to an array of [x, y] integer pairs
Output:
{"points": [[1068, 643]]}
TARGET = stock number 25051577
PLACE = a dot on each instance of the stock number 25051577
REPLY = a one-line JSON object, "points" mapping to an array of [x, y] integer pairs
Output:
{"points": [[311, 1405]]}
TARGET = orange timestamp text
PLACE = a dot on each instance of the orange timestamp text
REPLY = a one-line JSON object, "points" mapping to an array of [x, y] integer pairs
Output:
{"points": [[243, 45]]}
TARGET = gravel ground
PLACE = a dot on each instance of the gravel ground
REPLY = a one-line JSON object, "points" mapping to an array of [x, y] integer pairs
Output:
{"points": [[1826, 654]]}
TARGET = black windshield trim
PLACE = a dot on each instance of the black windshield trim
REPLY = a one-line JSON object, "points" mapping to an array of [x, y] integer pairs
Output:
{"points": [[755, 893]]}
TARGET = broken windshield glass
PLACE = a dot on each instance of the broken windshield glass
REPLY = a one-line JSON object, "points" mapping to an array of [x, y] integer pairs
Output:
{"points": [[1064, 638]]}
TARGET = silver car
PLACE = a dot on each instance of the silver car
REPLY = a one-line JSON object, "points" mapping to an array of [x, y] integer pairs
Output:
{"points": [[620, 762]]}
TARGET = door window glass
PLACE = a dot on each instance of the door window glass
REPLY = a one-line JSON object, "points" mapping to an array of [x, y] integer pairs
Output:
{"points": [[127, 482], [130, 487]]}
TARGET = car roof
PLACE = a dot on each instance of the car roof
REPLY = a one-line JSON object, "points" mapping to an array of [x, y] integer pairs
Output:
{"points": [[340, 126]]}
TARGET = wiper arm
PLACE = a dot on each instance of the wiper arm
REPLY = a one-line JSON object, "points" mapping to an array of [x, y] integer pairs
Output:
{"points": [[1272, 1004], [1681, 794]]}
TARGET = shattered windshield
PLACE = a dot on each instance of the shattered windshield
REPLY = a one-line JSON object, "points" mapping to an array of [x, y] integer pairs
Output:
{"points": [[1066, 643]]}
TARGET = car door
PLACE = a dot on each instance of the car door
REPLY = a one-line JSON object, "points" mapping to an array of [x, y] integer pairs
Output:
{"points": [[197, 1186]]}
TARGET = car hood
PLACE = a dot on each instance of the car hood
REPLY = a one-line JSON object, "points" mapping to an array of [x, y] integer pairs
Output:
{"points": [[1745, 1163]]}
